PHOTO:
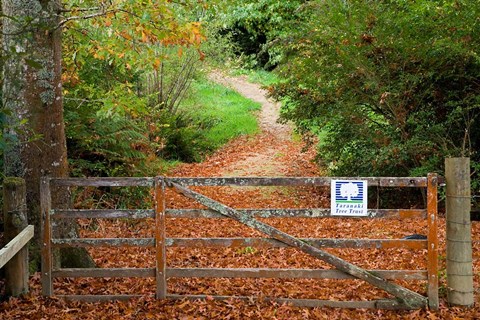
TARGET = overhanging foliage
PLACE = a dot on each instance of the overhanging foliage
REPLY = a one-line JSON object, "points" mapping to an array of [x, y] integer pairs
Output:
{"points": [[390, 87]]}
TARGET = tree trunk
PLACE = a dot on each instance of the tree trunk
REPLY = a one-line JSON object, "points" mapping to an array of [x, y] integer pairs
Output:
{"points": [[32, 96]]}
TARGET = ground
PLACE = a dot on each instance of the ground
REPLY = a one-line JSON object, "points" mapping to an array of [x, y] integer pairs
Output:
{"points": [[275, 151]]}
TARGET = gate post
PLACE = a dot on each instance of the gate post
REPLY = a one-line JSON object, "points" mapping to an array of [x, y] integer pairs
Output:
{"points": [[46, 238], [161, 263], [15, 219], [432, 218], [459, 236]]}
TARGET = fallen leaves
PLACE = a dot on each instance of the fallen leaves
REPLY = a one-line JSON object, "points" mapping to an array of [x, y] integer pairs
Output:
{"points": [[291, 162]]}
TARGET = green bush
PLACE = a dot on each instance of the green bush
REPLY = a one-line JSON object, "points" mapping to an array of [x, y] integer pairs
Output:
{"points": [[391, 87], [105, 136], [183, 138], [105, 147]]}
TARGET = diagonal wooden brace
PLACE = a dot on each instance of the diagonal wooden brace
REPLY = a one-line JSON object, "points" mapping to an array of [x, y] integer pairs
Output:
{"points": [[409, 298]]}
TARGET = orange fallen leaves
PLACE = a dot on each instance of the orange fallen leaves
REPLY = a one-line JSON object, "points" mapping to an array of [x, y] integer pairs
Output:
{"points": [[291, 163]]}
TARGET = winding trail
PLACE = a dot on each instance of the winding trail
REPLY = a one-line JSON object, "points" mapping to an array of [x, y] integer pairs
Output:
{"points": [[272, 152], [270, 109]]}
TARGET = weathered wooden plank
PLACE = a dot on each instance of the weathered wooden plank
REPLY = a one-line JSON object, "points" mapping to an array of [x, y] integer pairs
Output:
{"points": [[15, 245], [239, 181], [103, 214], [46, 231], [231, 273], [103, 242], [15, 221], [408, 297], [298, 181], [412, 213], [103, 182], [240, 242], [102, 298], [161, 258], [205, 213], [305, 303], [264, 243], [433, 247], [104, 273], [298, 213], [288, 273]]}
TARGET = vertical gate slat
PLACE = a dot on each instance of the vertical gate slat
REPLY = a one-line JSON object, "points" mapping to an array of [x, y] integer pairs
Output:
{"points": [[161, 291], [46, 236], [432, 189]]}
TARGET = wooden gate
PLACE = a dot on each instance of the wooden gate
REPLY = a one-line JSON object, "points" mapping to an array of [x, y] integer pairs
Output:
{"points": [[403, 297]]}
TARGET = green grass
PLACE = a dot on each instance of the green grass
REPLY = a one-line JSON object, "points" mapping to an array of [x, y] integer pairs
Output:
{"points": [[226, 113], [262, 77]]}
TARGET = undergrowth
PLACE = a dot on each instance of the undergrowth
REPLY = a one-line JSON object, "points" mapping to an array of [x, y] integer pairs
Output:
{"points": [[152, 143]]}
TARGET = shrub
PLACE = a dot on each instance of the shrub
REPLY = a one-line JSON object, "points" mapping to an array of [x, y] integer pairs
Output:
{"points": [[391, 87]]}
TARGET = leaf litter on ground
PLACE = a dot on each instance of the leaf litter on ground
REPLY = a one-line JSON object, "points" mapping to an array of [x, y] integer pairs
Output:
{"points": [[265, 154]]}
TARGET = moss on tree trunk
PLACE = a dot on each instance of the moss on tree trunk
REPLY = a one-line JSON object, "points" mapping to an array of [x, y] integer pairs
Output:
{"points": [[32, 94]]}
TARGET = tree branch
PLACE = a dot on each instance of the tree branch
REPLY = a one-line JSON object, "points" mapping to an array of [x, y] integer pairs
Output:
{"points": [[85, 17], [79, 9]]}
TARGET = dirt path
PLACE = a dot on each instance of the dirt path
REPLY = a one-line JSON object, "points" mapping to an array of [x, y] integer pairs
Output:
{"points": [[270, 110], [272, 152]]}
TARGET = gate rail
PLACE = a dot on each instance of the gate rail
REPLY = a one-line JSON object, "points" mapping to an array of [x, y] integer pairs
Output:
{"points": [[159, 241]]}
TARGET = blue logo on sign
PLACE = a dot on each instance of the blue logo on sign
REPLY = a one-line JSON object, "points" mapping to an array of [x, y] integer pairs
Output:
{"points": [[349, 191]]}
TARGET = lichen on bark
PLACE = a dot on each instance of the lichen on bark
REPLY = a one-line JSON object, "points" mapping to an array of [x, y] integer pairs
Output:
{"points": [[32, 96]]}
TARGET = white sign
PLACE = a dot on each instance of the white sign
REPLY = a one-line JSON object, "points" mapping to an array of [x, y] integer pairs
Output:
{"points": [[349, 198]]}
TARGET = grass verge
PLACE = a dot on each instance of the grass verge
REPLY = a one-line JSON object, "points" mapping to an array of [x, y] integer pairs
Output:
{"points": [[221, 113], [262, 77]]}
